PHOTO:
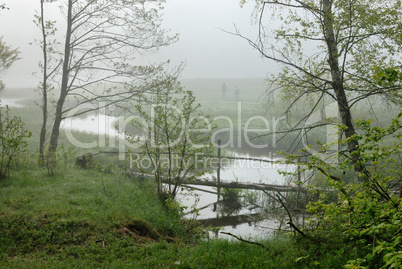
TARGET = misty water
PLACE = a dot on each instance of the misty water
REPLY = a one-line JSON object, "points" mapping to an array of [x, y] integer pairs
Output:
{"points": [[251, 224]]}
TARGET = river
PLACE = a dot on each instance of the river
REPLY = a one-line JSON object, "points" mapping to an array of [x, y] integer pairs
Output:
{"points": [[239, 217]]}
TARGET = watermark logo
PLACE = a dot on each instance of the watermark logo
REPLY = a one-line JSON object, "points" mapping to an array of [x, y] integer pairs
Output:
{"points": [[235, 131], [201, 162]]}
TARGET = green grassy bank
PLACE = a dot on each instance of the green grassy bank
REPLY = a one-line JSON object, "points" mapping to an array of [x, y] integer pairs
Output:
{"points": [[87, 219]]}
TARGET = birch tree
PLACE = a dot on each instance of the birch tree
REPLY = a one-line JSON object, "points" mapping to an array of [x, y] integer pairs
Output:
{"points": [[101, 43], [332, 48]]}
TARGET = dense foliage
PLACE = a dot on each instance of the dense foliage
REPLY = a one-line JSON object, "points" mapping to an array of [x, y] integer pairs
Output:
{"points": [[367, 216], [13, 140]]}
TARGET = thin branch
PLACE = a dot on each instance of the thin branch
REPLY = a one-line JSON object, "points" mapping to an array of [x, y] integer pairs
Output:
{"points": [[290, 222], [245, 241]]}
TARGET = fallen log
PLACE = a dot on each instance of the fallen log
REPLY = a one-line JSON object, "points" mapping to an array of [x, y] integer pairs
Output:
{"points": [[229, 220], [229, 184]]}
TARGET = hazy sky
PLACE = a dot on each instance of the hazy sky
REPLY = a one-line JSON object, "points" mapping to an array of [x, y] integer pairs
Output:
{"points": [[208, 51]]}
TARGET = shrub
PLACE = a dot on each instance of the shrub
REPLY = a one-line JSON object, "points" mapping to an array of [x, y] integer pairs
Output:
{"points": [[13, 140], [367, 215]]}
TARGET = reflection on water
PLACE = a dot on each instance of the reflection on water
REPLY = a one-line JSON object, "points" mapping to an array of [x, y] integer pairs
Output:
{"points": [[97, 124], [251, 219], [254, 171]]}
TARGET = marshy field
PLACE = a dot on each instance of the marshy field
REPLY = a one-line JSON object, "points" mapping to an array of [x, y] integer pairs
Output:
{"points": [[98, 218]]}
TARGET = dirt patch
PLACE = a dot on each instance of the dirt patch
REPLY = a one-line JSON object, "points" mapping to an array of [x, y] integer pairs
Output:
{"points": [[139, 229], [142, 231]]}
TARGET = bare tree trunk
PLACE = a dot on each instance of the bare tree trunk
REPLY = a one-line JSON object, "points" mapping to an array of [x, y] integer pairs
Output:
{"points": [[42, 137], [337, 84], [64, 84]]}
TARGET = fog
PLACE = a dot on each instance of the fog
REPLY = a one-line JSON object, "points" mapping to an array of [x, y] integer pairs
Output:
{"points": [[205, 47]]}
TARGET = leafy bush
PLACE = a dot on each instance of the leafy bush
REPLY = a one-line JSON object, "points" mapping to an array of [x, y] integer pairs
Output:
{"points": [[367, 215], [13, 140]]}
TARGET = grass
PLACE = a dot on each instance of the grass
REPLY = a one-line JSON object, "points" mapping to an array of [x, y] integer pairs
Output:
{"points": [[81, 218], [85, 195], [73, 211]]}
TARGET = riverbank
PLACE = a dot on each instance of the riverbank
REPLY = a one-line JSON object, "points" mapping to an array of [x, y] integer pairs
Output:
{"points": [[88, 219]]}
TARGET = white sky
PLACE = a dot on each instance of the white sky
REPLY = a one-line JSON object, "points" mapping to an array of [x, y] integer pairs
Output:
{"points": [[208, 51]]}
